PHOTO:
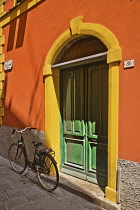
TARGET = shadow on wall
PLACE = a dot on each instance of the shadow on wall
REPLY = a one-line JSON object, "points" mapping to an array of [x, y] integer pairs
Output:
{"points": [[31, 110], [17, 26], [35, 106], [15, 121], [10, 116]]}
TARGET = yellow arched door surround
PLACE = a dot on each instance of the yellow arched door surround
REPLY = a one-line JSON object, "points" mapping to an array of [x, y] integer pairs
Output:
{"points": [[52, 111]]}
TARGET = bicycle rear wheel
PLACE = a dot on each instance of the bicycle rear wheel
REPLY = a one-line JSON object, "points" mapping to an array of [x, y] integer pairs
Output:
{"points": [[47, 172], [17, 158]]}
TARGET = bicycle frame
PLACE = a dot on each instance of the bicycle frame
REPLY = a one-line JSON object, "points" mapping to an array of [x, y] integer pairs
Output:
{"points": [[21, 144], [43, 164], [36, 160]]}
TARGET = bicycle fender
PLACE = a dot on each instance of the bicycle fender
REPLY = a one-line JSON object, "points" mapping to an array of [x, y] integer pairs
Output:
{"points": [[47, 151]]}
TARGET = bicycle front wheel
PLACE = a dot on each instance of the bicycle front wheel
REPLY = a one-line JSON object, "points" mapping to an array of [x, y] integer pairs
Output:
{"points": [[47, 172], [17, 158]]}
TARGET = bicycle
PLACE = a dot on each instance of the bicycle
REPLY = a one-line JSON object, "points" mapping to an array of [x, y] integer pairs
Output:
{"points": [[43, 162]]}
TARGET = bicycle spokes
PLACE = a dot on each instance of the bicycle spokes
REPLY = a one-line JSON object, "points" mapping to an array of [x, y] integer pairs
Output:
{"points": [[17, 158], [18, 154], [48, 173]]}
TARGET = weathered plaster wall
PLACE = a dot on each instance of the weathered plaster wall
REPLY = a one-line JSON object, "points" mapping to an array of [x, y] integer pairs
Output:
{"points": [[129, 185], [6, 140]]}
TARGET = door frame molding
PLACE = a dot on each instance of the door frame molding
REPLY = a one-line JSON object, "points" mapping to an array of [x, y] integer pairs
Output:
{"points": [[52, 93]]}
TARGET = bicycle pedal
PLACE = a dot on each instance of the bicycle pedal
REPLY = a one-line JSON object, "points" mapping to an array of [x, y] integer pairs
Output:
{"points": [[23, 175]]}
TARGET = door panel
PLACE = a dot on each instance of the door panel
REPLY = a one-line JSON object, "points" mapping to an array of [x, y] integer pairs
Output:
{"points": [[73, 99], [104, 101], [73, 122], [67, 102], [98, 100], [73, 146], [97, 164], [97, 123], [93, 101], [85, 122]]}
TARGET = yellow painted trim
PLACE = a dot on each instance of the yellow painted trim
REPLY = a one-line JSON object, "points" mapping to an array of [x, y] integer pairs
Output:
{"points": [[0, 49], [2, 1], [2, 40], [0, 102], [2, 76], [114, 55], [1, 9], [15, 2], [75, 24], [63, 40], [52, 113], [1, 94], [0, 85], [1, 111], [18, 10], [3, 13], [0, 65], [110, 192], [47, 70], [1, 58], [101, 32]]}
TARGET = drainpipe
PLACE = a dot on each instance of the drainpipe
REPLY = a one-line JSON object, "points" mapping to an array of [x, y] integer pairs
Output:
{"points": [[118, 184]]}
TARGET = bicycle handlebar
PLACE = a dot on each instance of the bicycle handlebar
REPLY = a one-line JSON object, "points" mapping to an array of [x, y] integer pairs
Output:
{"points": [[22, 130]]}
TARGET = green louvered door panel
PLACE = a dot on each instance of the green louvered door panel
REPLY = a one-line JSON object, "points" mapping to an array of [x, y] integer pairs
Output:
{"points": [[73, 122], [97, 131], [84, 111], [73, 99]]}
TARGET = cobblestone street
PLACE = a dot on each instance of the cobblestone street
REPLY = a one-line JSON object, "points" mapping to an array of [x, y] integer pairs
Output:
{"points": [[26, 194]]}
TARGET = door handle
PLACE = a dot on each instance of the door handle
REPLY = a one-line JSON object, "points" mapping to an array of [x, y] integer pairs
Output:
{"points": [[94, 140]]}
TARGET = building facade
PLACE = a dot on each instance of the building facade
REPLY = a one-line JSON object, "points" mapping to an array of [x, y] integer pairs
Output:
{"points": [[71, 69]]}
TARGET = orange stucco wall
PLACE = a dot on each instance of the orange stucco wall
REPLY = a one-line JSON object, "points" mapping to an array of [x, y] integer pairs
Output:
{"points": [[24, 87], [28, 39]]}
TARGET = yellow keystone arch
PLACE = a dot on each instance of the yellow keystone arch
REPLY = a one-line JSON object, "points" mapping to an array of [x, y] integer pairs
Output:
{"points": [[52, 99]]}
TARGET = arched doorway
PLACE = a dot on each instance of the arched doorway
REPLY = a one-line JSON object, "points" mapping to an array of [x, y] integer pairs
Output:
{"points": [[84, 109], [52, 93]]}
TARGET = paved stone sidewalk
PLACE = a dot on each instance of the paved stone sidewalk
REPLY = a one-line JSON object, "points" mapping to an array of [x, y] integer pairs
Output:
{"points": [[18, 193]]}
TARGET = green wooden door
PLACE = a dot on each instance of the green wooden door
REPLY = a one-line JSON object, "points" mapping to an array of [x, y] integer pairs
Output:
{"points": [[97, 124], [84, 94]]}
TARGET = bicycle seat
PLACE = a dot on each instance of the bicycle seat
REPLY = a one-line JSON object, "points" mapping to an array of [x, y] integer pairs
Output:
{"points": [[36, 144]]}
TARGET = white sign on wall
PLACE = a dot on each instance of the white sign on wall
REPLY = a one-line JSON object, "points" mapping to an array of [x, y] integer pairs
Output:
{"points": [[8, 65], [128, 64]]}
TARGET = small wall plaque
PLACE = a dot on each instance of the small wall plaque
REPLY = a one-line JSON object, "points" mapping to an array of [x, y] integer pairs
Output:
{"points": [[8, 65], [128, 64]]}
